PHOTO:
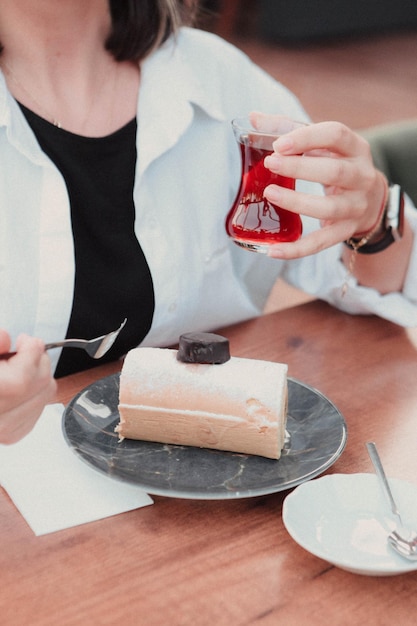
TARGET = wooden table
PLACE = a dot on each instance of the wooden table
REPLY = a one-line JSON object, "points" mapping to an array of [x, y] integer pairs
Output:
{"points": [[182, 562]]}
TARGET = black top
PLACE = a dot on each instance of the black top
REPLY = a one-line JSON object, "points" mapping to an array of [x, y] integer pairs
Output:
{"points": [[112, 277]]}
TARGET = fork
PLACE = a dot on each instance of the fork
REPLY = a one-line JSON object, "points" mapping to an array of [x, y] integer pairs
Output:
{"points": [[96, 348]]}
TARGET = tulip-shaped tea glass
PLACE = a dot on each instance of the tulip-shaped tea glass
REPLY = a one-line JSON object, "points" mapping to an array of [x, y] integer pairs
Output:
{"points": [[253, 222]]}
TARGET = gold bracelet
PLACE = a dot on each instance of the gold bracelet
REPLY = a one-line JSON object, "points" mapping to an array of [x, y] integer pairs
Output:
{"points": [[354, 244]]}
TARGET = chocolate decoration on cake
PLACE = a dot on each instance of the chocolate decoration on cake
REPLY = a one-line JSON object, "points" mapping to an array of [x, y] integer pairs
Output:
{"points": [[207, 348]]}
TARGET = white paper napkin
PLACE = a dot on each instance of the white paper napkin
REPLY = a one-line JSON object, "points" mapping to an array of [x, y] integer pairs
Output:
{"points": [[52, 488]]}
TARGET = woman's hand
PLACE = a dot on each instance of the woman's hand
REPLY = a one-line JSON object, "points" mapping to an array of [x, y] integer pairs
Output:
{"points": [[26, 385], [333, 155]]}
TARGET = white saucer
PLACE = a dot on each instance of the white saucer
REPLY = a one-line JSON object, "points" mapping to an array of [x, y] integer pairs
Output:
{"points": [[345, 519]]}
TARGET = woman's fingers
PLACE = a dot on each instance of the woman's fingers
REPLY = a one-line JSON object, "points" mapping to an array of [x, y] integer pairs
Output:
{"points": [[331, 154], [330, 136], [274, 124], [26, 385], [5, 342], [20, 420], [329, 235], [329, 171], [336, 206], [298, 137]]}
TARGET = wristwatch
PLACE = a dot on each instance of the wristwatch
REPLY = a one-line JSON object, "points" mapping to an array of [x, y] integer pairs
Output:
{"points": [[393, 223]]}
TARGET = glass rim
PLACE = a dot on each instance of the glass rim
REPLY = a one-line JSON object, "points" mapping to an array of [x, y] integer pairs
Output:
{"points": [[244, 125]]}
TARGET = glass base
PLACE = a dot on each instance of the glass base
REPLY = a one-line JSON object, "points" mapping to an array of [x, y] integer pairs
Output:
{"points": [[253, 247]]}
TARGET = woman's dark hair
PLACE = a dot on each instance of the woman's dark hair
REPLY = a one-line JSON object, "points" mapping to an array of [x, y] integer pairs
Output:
{"points": [[139, 26]]}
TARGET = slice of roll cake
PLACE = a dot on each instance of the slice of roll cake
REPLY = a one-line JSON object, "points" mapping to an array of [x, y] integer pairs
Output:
{"points": [[239, 405]]}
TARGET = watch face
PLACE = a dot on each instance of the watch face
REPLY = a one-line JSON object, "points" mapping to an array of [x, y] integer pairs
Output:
{"points": [[395, 213], [401, 216]]}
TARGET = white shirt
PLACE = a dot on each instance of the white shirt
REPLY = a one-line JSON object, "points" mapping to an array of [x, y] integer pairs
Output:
{"points": [[187, 175]]}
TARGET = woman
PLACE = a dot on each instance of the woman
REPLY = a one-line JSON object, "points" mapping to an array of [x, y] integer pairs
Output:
{"points": [[118, 168]]}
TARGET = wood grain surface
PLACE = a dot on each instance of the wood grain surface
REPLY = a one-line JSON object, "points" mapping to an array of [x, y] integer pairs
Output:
{"points": [[183, 562]]}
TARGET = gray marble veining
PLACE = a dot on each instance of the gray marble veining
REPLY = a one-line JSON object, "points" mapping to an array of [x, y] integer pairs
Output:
{"points": [[316, 438]]}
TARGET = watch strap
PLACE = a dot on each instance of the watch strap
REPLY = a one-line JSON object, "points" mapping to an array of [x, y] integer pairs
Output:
{"points": [[392, 222]]}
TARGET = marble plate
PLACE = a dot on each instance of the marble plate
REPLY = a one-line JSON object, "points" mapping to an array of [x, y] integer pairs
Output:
{"points": [[345, 520], [316, 438]]}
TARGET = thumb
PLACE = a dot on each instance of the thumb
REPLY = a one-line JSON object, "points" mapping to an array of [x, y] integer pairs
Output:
{"points": [[26, 343], [5, 342], [273, 124]]}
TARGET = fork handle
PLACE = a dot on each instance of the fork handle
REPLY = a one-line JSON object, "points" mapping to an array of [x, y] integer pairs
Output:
{"points": [[8, 355]]}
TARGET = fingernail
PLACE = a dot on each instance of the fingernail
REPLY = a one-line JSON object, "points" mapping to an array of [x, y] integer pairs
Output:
{"points": [[272, 193], [283, 144], [272, 162], [275, 252]]}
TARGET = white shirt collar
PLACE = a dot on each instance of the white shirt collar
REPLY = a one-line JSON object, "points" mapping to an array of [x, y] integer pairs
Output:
{"points": [[171, 86], [170, 90]]}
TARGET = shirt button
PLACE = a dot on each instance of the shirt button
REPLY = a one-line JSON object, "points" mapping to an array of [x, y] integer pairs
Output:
{"points": [[172, 307]]}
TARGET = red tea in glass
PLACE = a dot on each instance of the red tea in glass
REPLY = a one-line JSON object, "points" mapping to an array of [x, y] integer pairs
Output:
{"points": [[253, 222]]}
